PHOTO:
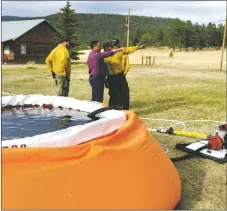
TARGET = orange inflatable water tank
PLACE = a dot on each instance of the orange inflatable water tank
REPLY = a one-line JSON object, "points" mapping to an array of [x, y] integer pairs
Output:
{"points": [[124, 170]]}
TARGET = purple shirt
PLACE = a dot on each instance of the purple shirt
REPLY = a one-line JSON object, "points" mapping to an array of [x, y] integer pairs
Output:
{"points": [[96, 64]]}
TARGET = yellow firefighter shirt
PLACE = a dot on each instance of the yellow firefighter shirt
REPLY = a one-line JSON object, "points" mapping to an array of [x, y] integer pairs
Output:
{"points": [[125, 63], [117, 61], [58, 61]]}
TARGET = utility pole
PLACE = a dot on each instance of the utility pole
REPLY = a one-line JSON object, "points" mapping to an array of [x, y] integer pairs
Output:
{"points": [[223, 45], [128, 26]]}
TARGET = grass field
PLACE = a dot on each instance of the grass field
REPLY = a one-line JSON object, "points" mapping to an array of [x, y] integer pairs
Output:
{"points": [[157, 92]]}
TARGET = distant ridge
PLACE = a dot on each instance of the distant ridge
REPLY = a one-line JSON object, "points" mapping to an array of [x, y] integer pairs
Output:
{"points": [[155, 31]]}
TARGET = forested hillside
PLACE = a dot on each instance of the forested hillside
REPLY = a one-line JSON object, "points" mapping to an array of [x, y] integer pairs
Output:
{"points": [[154, 31]]}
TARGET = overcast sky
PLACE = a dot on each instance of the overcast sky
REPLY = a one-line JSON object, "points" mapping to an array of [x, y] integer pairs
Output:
{"points": [[196, 11]]}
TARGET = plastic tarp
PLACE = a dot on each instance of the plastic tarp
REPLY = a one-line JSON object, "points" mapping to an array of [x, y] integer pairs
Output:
{"points": [[124, 169]]}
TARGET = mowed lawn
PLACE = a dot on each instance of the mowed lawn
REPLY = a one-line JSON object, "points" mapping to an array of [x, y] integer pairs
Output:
{"points": [[161, 93]]}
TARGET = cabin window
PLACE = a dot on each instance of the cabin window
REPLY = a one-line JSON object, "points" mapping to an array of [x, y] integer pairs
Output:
{"points": [[6, 49], [23, 48]]}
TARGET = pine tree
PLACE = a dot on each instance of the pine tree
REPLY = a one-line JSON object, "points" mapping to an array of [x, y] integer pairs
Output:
{"points": [[214, 36], [219, 39], [160, 38], [211, 35], [136, 35], [67, 26], [146, 39], [202, 37], [188, 33], [176, 34], [195, 37], [220, 35]]}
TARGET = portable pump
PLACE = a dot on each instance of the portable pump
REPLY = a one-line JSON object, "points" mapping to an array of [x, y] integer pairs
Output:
{"points": [[217, 142], [219, 139]]}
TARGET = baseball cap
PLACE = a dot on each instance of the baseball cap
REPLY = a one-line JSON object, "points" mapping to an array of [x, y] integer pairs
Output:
{"points": [[107, 44], [115, 42], [65, 39], [71, 42]]}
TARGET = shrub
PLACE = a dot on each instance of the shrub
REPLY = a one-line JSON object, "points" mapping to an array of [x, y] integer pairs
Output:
{"points": [[29, 65], [171, 54]]}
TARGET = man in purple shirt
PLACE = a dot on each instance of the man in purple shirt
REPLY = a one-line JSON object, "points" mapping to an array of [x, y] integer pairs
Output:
{"points": [[98, 69]]}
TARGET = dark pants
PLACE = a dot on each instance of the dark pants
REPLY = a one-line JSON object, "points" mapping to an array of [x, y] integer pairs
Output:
{"points": [[97, 85], [118, 91]]}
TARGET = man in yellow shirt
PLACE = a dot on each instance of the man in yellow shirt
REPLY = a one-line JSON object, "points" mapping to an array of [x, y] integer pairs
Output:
{"points": [[107, 46], [58, 62], [125, 63], [118, 85]]}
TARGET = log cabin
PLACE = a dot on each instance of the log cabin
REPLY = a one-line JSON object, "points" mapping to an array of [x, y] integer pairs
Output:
{"points": [[27, 40]]}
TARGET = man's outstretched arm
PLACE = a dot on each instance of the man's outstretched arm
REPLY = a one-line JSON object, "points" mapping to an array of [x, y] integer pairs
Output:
{"points": [[130, 50], [109, 53]]}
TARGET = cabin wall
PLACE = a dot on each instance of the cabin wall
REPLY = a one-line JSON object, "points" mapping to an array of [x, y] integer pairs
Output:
{"points": [[39, 42], [34, 52]]}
